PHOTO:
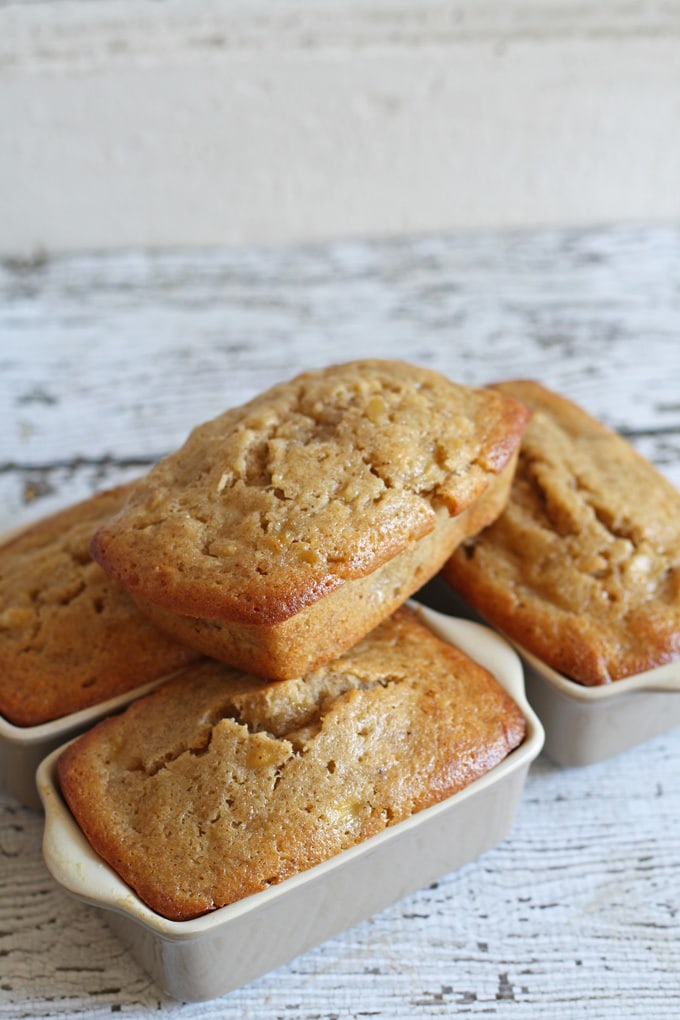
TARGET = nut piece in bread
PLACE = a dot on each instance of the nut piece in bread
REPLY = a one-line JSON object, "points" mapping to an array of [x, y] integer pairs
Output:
{"points": [[583, 567], [218, 784], [284, 530], [71, 636]]}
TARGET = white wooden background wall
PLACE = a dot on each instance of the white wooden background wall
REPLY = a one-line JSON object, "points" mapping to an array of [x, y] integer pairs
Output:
{"points": [[172, 122]]}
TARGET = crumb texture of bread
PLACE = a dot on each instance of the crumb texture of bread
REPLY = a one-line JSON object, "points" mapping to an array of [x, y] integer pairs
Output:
{"points": [[70, 635], [583, 566], [218, 785], [271, 506]]}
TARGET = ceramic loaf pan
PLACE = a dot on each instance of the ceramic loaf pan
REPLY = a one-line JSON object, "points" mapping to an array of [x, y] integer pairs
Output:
{"points": [[213, 954], [22, 748], [584, 725]]}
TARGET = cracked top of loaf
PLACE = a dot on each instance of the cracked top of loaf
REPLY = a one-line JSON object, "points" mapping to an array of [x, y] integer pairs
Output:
{"points": [[583, 566], [218, 785], [319, 480], [71, 636]]}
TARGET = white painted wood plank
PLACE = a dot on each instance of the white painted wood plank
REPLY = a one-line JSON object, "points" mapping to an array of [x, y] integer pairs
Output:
{"points": [[140, 346]]}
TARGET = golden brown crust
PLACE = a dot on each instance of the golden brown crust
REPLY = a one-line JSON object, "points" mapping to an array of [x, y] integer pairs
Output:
{"points": [[583, 566], [218, 785], [327, 627], [71, 636], [321, 480]]}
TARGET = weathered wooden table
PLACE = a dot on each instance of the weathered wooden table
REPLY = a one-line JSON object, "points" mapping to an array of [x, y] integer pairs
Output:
{"points": [[105, 364]]}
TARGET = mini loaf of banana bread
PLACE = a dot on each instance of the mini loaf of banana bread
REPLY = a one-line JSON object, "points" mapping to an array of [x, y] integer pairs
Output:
{"points": [[583, 567], [218, 784], [286, 529], [71, 636]]}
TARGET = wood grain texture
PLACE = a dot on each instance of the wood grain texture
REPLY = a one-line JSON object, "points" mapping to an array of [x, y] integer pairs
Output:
{"points": [[107, 361]]}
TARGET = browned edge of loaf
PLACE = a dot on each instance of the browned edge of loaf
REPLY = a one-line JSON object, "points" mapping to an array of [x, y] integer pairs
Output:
{"points": [[587, 647], [123, 548], [217, 786]]}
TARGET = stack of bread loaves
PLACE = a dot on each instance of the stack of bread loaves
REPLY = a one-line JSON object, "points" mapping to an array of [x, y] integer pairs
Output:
{"points": [[270, 557], [281, 541]]}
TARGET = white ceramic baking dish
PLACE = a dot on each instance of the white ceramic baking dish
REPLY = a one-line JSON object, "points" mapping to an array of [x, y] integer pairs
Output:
{"points": [[584, 725], [211, 955], [22, 748]]}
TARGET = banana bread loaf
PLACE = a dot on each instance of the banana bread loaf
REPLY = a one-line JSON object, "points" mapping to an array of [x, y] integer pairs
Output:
{"points": [[284, 530], [218, 784], [71, 636], [583, 567]]}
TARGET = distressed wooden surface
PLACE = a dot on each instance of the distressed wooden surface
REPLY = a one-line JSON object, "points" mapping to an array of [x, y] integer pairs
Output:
{"points": [[107, 361]]}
